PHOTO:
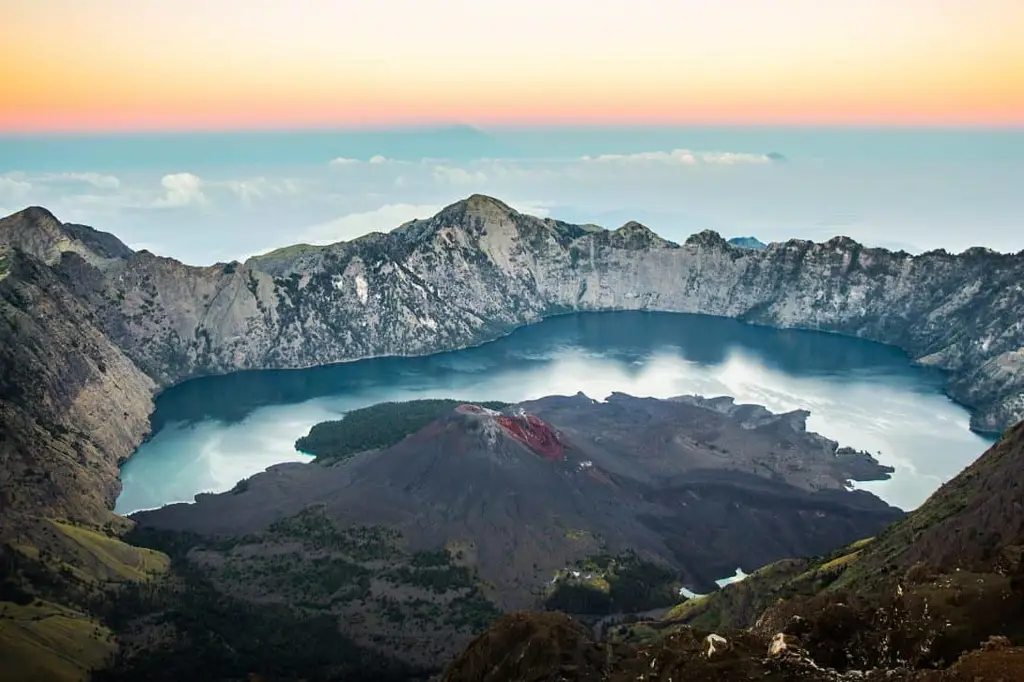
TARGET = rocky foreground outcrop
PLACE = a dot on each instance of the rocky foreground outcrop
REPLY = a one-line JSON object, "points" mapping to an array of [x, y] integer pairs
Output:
{"points": [[545, 647]]}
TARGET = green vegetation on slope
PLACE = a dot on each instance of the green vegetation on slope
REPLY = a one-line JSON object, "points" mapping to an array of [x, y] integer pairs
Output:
{"points": [[112, 558], [51, 583], [739, 604], [375, 427], [195, 630], [605, 584], [921, 593], [304, 599], [43, 641], [365, 564]]}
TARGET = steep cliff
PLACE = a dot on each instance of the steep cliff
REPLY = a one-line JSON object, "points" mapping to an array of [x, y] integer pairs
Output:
{"points": [[478, 269], [72, 406]]}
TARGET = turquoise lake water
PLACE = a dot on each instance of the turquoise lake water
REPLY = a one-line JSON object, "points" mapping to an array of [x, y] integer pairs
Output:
{"points": [[212, 432]]}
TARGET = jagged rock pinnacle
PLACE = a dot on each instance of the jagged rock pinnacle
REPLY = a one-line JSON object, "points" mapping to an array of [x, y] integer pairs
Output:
{"points": [[706, 238]]}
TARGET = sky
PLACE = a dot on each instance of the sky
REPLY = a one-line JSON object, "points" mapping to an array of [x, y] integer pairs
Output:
{"points": [[219, 197], [212, 131], [121, 65]]}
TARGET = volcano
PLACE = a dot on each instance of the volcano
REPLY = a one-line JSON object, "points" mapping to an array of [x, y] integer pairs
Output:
{"points": [[702, 486]]}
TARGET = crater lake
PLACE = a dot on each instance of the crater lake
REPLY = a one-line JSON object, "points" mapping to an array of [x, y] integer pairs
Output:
{"points": [[208, 433]]}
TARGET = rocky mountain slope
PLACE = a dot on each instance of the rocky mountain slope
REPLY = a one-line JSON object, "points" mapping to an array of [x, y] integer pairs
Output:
{"points": [[478, 269], [72, 406], [938, 596]]}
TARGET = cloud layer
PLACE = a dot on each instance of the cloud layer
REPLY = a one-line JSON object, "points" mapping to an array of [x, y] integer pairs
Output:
{"points": [[218, 213], [684, 157]]}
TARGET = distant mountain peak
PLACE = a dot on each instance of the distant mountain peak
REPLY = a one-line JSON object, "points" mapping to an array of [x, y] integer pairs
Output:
{"points": [[706, 238], [36, 231], [634, 235], [34, 215], [33, 218], [472, 214], [748, 243], [481, 206], [634, 226], [485, 203]]}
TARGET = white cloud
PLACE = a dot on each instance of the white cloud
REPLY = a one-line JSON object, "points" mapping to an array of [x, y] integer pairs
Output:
{"points": [[181, 189], [97, 180], [683, 157], [12, 187], [733, 158], [261, 188], [247, 190], [453, 175], [343, 161], [675, 192], [538, 209], [383, 219]]}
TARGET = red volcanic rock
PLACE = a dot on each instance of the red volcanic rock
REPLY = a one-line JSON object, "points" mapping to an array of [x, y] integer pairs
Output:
{"points": [[534, 433]]}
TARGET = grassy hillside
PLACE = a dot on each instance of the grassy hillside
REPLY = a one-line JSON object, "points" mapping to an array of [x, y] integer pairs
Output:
{"points": [[925, 590], [42, 641], [51, 579]]}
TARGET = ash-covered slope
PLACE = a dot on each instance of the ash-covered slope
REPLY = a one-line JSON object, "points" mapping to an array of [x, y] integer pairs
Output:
{"points": [[478, 269], [541, 485]]}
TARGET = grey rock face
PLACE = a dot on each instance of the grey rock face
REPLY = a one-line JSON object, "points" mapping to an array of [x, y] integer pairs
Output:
{"points": [[478, 269], [72, 404]]}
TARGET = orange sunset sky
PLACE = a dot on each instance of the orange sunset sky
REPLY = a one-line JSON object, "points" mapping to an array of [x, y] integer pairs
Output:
{"points": [[113, 65]]}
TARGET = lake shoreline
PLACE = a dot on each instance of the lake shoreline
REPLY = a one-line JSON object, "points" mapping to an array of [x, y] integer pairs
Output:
{"points": [[697, 341]]}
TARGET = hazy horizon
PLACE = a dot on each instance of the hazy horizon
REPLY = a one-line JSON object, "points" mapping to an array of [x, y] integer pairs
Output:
{"points": [[204, 198], [213, 131]]}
